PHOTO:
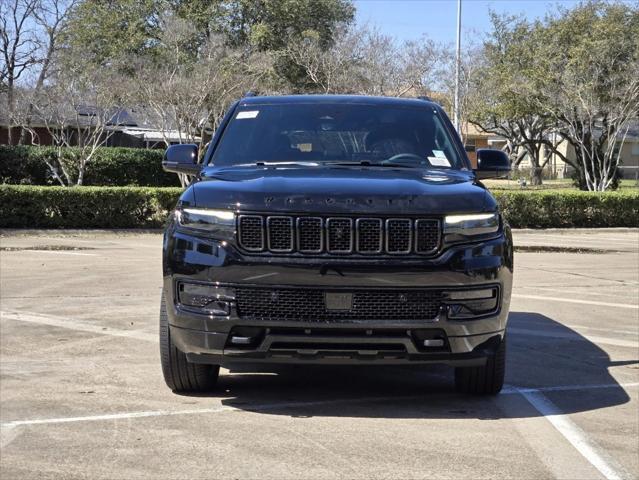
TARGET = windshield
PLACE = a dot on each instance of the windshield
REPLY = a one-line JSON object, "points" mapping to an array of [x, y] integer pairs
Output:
{"points": [[318, 133]]}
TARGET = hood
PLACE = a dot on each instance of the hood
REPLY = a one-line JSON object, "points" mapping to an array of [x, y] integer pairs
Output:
{"points": [[337, 189]]}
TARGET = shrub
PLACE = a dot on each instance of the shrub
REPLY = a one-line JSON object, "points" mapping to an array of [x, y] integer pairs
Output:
{"points": [[144, 207], [85, 207], [563, 209], [110, 166]]}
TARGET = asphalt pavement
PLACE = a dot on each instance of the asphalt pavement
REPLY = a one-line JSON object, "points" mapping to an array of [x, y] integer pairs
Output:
{"points": [[82, 395]]}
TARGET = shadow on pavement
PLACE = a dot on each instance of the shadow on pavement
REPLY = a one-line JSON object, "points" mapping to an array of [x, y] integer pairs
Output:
{"points": [[563, 359]]}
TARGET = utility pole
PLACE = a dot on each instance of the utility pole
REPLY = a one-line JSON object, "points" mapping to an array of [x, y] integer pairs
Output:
{"points": [[456, 118]]}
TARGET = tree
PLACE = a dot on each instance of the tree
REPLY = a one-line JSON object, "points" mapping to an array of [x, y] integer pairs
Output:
{"points": [[18, 48], [188, 91], [110, 33], [507, 104], [50, 17], [271, 26], [362, 60], [471, 66], [80, 108], [115, 32], [588, 70]]}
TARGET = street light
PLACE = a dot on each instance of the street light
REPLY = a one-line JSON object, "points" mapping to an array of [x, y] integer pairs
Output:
{"points": [[456, 118]]}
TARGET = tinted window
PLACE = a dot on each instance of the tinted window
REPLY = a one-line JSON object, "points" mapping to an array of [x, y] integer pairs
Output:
{"points": [[336, 133]]}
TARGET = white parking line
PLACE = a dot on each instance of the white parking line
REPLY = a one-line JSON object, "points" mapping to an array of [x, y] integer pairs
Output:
{"points": [[62, 322], [575, 435], [579, 290], [574, 300], [61, 252], [508, 390]]}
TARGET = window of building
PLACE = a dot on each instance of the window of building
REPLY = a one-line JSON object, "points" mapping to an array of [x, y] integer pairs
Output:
{"points": [[471, 145]]}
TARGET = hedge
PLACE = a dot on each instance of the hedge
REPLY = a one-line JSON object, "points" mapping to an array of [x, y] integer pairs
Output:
{"points": [[110, 166], [85, 207], [566, 209], [140, 207]]}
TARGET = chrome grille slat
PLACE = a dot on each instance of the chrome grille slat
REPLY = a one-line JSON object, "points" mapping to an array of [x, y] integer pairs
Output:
{"points": [[262, 233]]}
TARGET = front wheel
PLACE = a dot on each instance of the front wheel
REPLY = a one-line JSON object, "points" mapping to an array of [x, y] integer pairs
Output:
{"points": [[486, 380], [179, 374]]}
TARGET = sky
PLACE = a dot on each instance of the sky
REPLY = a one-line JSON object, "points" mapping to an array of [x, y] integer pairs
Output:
{"points": [[410, 19]]}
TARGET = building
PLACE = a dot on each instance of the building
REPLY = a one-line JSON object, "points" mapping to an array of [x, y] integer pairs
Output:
{"points": [[555, 166], [124, 128]]}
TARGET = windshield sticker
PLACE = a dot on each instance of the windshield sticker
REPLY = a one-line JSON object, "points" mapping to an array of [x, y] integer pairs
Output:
{"points": [[439, 161], [439, 154], [305, 147], [247, 114]]}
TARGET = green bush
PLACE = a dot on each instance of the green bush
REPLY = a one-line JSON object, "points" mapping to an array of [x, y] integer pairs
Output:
{"points": [[143, 207], [110, 166], [85, 207], [565, 209]]}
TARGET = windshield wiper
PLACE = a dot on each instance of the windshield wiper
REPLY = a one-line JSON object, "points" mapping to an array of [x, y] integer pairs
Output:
{"points": [[277, 164], [368, 163], [365, 163]]}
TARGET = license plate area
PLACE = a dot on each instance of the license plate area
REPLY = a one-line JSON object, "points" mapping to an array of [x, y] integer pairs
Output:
{"points": [[338, 301]]}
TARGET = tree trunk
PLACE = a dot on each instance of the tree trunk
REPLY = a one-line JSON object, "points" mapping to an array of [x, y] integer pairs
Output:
{"points": [[535, 175], [10, 109]]}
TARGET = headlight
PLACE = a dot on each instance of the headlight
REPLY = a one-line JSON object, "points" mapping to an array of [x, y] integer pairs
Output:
{"points": [[471, 224], [219, 223]]}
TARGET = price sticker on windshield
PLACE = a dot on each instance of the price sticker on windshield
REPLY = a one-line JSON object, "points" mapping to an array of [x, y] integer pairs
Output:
{"points": [[247, 114], [439, 159]]}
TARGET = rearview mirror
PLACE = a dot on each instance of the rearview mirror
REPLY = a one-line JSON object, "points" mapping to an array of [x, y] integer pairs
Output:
{"points": [[181, 159], [492, 164]]}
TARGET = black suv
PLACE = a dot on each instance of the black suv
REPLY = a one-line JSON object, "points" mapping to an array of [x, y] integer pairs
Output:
{"points": [[335, 230]]}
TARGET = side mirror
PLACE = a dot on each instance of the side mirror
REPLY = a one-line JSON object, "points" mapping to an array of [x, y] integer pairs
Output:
{"points": [[181, 159], [492, 164]]}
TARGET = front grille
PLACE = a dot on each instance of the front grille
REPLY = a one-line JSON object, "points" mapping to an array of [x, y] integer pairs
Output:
{"points": [[280, 234], [338, 235], [427, 236], [369, 235], [309, 305], [251, 232], [399, 233]]}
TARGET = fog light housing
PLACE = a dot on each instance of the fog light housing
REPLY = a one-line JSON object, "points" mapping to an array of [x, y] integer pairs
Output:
{"points": [[208, 298], [471, 294], [466, 304]]}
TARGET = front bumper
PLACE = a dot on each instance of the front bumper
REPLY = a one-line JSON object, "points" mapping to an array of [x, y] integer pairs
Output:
{"points": [[207, 338]]}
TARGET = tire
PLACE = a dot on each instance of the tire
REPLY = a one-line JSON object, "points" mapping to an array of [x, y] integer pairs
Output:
{"points": [[486, 380], [179, 374]]}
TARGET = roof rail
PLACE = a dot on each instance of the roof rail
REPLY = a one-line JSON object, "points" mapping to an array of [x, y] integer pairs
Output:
{"points": [[425, 98]]}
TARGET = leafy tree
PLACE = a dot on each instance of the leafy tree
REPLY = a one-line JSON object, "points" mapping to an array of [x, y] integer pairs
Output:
{"points": [[587, 67], [111, 32], [115, 32], [507, 104]]}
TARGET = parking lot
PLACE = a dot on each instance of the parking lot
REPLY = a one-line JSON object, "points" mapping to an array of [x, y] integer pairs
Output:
{"points": [[82, 394]]}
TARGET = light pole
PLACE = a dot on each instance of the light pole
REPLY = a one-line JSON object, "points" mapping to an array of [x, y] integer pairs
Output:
{"points": [[456, 118]]}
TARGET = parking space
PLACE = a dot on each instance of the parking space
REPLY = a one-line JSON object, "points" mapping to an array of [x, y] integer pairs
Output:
{"points": [[82, 394]]}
